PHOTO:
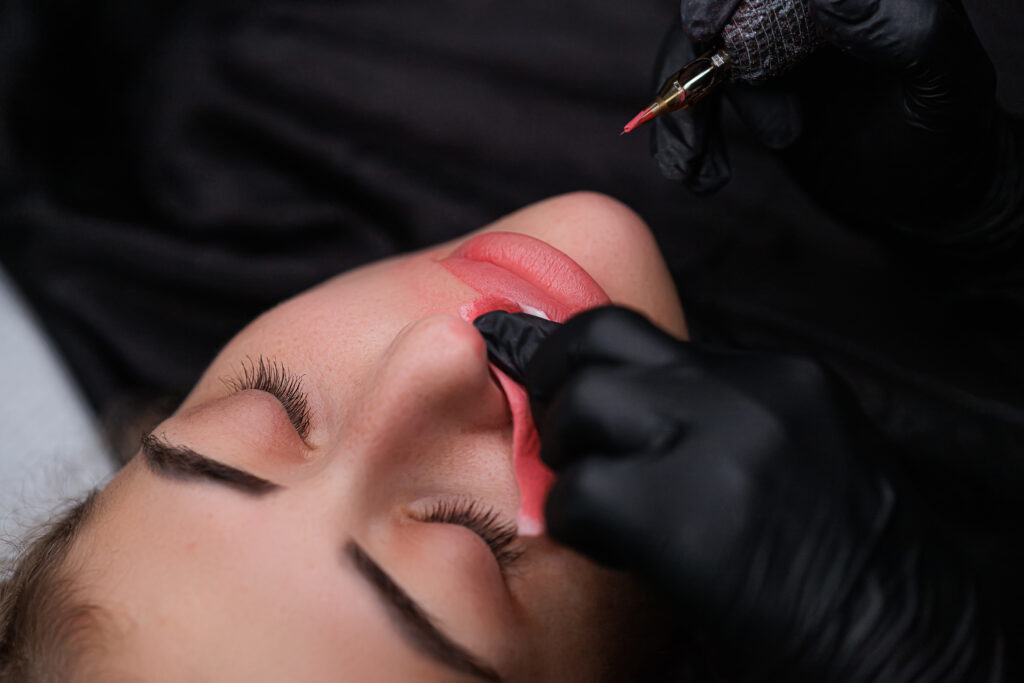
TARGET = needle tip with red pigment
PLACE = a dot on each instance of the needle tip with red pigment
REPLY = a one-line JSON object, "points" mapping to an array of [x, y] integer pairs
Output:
{"points": [[640, 119], [653, 111]]}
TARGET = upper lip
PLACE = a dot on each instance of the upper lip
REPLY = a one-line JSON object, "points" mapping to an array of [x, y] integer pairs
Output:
{"points": [[513, 268]]}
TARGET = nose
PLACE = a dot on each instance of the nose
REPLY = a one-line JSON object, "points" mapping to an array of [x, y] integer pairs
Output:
{"points": [[432, 382]]}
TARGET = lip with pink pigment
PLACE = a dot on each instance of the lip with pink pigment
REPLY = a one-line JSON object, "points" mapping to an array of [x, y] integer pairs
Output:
{"points": [[519, 273]]}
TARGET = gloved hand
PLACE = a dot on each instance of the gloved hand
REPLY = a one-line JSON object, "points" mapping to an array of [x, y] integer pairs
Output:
{"points": [[746, 486], [895, 123]]}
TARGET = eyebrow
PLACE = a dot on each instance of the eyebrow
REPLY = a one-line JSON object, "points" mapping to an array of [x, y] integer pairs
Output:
{"points": [[413, 621], [183, 463]]}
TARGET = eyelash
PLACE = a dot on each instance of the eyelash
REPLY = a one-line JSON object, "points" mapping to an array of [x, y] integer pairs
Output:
{"points": [[499, 535], [273, 378]]}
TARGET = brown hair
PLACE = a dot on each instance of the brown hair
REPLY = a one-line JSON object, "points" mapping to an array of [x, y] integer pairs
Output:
{"points": [[44, 626]]}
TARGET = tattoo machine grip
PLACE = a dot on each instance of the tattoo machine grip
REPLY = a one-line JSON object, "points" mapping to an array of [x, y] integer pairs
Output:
{"points": [[764, 38]]}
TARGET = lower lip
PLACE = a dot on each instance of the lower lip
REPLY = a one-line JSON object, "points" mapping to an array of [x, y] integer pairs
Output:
{"points": [[513, 272]]}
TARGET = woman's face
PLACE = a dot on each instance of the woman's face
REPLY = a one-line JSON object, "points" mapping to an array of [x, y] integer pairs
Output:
{"points": [[317, 508]]}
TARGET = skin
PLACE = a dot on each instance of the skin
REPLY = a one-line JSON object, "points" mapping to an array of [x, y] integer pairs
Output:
{"points": [[207, 583]]}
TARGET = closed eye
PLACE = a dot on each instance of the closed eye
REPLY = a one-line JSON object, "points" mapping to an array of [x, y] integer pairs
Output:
{"points": [[499, 534], [275, 379]]}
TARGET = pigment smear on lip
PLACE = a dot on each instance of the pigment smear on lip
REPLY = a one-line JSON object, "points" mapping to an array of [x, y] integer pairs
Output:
{"points": [[533, 476]]}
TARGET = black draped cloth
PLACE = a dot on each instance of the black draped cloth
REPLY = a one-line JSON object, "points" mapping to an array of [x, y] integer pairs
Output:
{"points": [[171, 168]]}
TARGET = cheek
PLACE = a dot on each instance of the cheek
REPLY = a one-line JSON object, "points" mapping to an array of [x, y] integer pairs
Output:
{"points": [[573, 609]]}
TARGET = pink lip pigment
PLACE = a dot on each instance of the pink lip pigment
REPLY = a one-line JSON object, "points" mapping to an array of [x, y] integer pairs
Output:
{"points": [[513, 273]]}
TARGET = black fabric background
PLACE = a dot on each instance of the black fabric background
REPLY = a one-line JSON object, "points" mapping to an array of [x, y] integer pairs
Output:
{"points": [[168, 170]]}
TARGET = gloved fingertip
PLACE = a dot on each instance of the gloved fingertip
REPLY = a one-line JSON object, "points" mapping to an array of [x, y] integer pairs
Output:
{"points": [[512, 339], [670, 168], [673, 150], [702, 175]]}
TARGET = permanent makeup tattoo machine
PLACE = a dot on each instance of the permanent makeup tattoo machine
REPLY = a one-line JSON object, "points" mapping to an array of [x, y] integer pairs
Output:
{"points": [[762, 39]]}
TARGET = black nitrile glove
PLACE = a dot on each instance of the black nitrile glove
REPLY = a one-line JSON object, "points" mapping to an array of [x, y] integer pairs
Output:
{"points": [[746, 485], [520, 335], [688, 145], [894, 121]]}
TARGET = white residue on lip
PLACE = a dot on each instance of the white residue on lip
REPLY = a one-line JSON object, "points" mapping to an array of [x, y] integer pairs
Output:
{"points": [[534, 311], [527, 526]]}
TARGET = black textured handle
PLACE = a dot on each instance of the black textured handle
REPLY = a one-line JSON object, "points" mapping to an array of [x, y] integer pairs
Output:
{"points": [[764, 38]]}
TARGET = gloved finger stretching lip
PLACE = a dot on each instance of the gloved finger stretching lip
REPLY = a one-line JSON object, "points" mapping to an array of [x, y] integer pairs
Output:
{"points": [[518, 273]]}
